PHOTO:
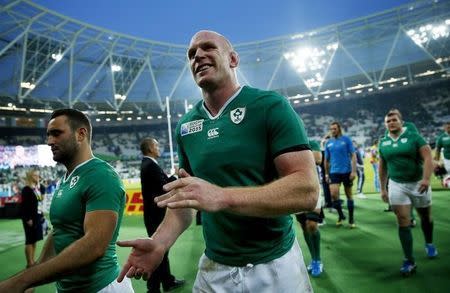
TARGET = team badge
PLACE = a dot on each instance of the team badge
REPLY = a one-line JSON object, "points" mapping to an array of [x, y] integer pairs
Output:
{"points": [[74, 181], [404, 140], [191, 127], [385, 143], [237, 115]]}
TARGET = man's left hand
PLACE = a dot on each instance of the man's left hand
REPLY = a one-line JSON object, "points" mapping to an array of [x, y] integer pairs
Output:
{"points": [[192, 192]]}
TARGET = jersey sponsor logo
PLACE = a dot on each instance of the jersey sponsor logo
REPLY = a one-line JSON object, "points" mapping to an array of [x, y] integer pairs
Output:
{"points": [[213, 133], [385, 143], [237, 115], [191, 127], [404, 140], [74, 181], [395, 145]]}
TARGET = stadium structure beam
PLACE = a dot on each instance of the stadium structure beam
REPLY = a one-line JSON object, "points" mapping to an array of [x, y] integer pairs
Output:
{"points": [[325, 73], [6, 48], [91, 79], [141, 69], [389, 56], [155, 84], [427, 52], [177, 82], [50, 68], [357, 64], [10, 5], [275, 72]]}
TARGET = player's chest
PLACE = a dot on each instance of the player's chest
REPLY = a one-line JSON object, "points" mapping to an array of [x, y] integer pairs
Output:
{"points": [[402, 146]]}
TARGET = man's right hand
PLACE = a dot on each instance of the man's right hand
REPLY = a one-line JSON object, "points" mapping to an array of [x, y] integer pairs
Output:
{"points": [[145, 257]]}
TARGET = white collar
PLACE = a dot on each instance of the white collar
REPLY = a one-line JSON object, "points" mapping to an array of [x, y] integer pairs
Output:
{"points": [[395, 139], [224, 105], [66, 176]]}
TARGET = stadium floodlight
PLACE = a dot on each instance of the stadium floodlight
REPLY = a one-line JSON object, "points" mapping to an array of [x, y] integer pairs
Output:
{"points": [[311, 62], [149, 117], [116, 68], [306, 100], [119, 118], [10, 104], [27, 85], [120, 97], [338, 95], [57, 57], [296, 101], [129, 118], [98, 119], [108, 119], [159, 117], [326, 97], [430, 31], [138, 118]]}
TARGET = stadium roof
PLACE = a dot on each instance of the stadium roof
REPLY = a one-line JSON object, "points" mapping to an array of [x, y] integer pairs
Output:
{"points": [[48, 60]]}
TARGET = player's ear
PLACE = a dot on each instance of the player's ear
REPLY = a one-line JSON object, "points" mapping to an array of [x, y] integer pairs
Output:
{"points": [[234, 59], [81, 134]]}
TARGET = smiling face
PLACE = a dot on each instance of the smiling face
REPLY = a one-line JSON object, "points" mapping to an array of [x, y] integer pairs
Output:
{"points": [[212, 59], [62, 140]]}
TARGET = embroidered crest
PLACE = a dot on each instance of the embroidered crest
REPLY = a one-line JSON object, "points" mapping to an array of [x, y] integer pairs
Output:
{"points": [[74, 181], [404, 140], [237, 115]]}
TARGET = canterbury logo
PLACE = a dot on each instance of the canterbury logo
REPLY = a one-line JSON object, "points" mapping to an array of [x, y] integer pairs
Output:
{"points": [[214, 132]]}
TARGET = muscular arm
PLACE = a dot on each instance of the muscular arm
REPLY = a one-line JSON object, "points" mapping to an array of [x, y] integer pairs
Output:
{"points": [[382, 172], [296, 190], [99, 227], [48, 251], [317, 157], [437, 153], [425, 154]]}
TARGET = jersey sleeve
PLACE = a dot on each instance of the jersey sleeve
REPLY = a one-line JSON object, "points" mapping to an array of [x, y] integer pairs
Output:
{"points": [[327, 152], [350, 147], [105, 191], [314, 145], [286, 131], [420, 141], [439, 143]]}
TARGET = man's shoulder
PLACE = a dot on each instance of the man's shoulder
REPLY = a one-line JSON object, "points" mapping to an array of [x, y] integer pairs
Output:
{"points": [[256, 94]]}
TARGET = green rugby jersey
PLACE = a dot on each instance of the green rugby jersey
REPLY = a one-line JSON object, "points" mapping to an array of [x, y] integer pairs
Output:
{"points": [[443, 142], [402, 156], [237, 148], [315, 146], [92, 185]]}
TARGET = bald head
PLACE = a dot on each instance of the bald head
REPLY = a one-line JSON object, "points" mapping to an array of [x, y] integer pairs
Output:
{"points": [[212, 35]]}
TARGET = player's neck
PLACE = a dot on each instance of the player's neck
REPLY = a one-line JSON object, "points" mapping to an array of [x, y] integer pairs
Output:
{"points": [[217, 97], [80, 158]]}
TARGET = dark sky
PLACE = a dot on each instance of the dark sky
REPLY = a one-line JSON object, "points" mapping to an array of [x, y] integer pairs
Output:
{"points": [[175, 21]]}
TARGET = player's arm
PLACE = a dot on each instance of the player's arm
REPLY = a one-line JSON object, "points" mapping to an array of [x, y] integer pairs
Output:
{"points": [[326, 166], [147, 253], [437, 153], [99, 227], [317, 157], [425, 154], [297, 190], [383, 174], [48, 251], [353, 162]]}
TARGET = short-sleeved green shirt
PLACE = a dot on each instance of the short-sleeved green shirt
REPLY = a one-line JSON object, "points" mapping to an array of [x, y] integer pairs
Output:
{"points": [[402, 156], [315, 146], [443, 142], [92, 185], [237, 148]]}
